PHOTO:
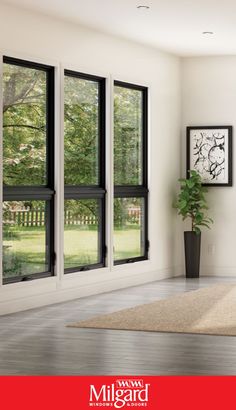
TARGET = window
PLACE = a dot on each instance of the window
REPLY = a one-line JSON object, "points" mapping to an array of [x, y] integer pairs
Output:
{"points": [[28, 170], [130, 173], [84, 172]]}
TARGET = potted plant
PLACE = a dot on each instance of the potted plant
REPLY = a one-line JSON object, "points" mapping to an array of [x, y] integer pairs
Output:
{"points": [[191, 203]]}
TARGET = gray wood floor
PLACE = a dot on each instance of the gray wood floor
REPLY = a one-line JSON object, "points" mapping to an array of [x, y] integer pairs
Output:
{"points": [[38, 342]]}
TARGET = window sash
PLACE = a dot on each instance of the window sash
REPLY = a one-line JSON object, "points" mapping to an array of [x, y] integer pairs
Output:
{"points": [[145, 229], [101, 237], [144, 92], [101, 124], [50, 255]]}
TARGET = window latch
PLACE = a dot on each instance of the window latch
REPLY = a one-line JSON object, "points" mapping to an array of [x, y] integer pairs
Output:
{"points": [[84, 268]]}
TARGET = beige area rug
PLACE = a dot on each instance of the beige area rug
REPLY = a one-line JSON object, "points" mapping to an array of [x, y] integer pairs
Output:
{"points": [[210, 310]]}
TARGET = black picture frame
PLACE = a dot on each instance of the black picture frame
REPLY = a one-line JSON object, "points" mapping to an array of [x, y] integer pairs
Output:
{"points": [[209, 152]]}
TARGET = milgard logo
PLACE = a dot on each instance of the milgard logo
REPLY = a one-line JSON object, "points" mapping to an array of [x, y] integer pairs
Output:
{"points": [[125, 392]]}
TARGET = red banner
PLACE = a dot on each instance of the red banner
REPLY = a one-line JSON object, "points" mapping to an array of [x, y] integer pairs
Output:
{"points": [[117, 392]]}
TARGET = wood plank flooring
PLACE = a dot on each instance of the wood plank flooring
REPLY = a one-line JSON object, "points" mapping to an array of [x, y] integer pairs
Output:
{"points": [[37, 342]]}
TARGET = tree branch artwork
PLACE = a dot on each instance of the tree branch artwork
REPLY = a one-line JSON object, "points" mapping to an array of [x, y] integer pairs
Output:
{"points": [[209, 152]]}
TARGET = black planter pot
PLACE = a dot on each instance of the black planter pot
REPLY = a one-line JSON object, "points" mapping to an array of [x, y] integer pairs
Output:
{"points": [[192, 245]]}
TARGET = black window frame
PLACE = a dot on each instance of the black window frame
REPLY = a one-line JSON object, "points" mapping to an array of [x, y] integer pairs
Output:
{"points": [[138, 191], [96, 192], [39, 192]]}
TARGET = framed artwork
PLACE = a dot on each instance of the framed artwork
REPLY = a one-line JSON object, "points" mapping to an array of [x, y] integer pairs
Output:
{"points": [[209, 152]]}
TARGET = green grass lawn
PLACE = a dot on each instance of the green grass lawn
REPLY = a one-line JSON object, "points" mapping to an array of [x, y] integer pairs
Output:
{"points": [[127, 243], [25, 248]]}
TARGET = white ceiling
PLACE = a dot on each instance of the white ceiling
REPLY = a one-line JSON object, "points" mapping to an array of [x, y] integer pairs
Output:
{"points": [[172, 25]]}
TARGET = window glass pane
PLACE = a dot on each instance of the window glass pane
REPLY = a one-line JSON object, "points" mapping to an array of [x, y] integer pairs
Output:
{"points": [[81, 234], [24, 125], [127, 136], [81, 112], [129, 234], [24, 238]]}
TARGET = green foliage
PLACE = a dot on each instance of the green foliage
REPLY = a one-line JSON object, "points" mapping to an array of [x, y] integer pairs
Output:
{"points": [[24, 126], [24, 137], [122, 218], [191, 202], [81, 120], [24, 130], [86, 207], [127, 136], [12, 264]]}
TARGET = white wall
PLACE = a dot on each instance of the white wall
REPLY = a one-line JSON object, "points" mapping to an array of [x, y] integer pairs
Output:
{"points": [[29, 35], [209, 98]]}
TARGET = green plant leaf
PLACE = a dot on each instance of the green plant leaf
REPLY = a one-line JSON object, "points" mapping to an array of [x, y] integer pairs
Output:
{"points": [[197, 230]]}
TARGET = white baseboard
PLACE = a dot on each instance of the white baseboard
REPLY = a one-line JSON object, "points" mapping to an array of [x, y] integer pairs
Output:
{"points": [[211, 270], [218, 271], [23, 299]]}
